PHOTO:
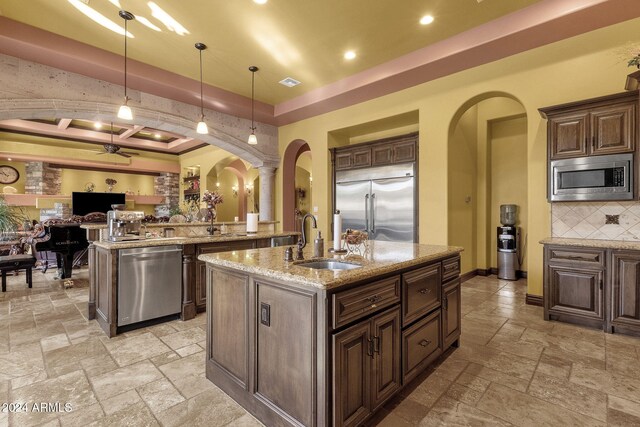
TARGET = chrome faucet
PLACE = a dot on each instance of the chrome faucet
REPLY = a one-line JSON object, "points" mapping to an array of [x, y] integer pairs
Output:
{"points": [[315, 225]]}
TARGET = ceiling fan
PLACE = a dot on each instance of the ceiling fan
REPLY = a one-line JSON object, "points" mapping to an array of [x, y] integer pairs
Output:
{"points": [[112, 148]]}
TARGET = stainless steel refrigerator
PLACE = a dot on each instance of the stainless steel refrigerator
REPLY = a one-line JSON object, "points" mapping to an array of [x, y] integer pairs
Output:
{"points": [[379, 200]]}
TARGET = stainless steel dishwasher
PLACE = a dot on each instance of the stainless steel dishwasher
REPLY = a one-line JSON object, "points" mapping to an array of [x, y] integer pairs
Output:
{"points": [[149, 283]]}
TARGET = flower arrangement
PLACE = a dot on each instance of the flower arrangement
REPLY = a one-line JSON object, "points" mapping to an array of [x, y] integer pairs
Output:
{"points": [[212, 199], [635, 61], [110, 182]]}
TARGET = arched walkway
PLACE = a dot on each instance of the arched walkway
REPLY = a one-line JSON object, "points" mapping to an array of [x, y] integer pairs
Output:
{"points": [[291, 154], [487, 166]]}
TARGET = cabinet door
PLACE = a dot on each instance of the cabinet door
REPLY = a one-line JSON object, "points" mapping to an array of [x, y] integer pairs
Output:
{"points": [[451, 313], [201, 267], [386, 376], [404, 151], [421, 292], [361, 157], [352, 354], [612, 129], [382, 154], [343, 160], [568, 135], [575, 291], [625, 292]]}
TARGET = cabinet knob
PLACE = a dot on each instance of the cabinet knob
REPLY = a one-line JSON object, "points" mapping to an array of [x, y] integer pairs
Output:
{"points": [[424, 291], [373, 299], [424, 343]]}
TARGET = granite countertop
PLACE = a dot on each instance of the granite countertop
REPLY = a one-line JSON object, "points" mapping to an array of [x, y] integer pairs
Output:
{"points": [[101, 225], [382, 258], [592, 243], [164, 241]]}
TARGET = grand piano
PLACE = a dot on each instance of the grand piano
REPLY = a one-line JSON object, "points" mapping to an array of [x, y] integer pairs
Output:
{"points": [[65, 238]]}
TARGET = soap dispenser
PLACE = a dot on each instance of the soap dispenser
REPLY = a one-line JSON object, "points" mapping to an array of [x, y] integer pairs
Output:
{"points": [[318, 245]]}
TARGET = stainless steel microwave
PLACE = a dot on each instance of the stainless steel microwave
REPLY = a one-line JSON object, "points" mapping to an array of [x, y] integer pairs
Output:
{"points": [[592, 178]]}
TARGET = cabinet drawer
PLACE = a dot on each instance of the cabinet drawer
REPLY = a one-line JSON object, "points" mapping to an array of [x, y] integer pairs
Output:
{"points": [[359, 302], [450, 268], [591, 256], [420, 345], [421, 292]]}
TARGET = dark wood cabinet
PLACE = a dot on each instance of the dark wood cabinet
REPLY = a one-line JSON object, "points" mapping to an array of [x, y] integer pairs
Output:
{"points": [[625, 292], [402, 149], [351, 158], [574, 285], [352, 375], [575, 291], [308, 356], [421, 292], [451, 313], [605, 125], [201, 266], [366, 367]]}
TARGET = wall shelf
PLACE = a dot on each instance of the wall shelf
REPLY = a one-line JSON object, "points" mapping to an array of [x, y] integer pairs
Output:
{"points": [[46, 201]]}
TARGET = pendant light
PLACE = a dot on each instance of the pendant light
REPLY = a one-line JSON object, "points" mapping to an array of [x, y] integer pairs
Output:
{"points": [[125, 111], [252, 138], [202, 126]]}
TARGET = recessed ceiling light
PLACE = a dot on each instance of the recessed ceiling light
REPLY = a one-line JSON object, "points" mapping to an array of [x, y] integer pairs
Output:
{"points": [[116, 3], [426, 20], [349, 55], [99, 18], [260, 1], [157, 136], [97, 125], [289, 82], [9, 158]]}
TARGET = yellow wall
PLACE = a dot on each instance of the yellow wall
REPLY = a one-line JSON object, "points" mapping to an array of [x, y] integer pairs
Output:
{"points": [[508, 140], [582, 67], [463, 179]]}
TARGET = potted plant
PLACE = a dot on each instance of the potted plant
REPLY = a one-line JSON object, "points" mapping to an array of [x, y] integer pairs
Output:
{"points": [[10, 217]]}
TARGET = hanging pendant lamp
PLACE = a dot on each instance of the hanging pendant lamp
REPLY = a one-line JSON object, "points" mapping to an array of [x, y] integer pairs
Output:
{"points": [[252, 138], [202, 126], [125, 111]]}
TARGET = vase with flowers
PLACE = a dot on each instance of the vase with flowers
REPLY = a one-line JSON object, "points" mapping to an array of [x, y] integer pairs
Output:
{"points": [[211, 200]]}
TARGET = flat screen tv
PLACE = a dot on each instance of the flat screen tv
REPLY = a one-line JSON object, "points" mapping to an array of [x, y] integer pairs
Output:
{"points": [[84, 203]]}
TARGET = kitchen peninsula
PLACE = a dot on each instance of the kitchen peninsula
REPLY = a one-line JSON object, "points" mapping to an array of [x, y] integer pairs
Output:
{"points": [[105, 259], [297, 345]]}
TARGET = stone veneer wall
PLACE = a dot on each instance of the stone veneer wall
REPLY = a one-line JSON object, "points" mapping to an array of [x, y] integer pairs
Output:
{"points": [[588, 220], [167, 185], [42, 179]]}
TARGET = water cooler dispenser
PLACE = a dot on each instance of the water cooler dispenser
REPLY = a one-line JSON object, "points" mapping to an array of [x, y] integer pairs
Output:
{"points": [[507, 238]]}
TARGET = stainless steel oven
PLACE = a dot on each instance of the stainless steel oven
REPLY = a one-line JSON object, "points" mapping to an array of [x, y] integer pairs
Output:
{"points": [[592, 178]]}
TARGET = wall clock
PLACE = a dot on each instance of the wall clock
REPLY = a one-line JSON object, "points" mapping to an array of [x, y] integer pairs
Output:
{"points": [[8, 174]]}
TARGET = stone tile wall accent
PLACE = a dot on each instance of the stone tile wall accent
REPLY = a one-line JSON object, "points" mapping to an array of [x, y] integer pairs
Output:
{"points": [[588, 220], [167, 185], [42, 179]]}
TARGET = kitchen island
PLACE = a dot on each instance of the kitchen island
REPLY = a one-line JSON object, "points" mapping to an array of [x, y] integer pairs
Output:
{"points": [[296, 345], [104, 269]]}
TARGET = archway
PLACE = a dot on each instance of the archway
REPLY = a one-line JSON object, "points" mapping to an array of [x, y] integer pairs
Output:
{"points": [[487, 167], [229, 176], [291, 154]]}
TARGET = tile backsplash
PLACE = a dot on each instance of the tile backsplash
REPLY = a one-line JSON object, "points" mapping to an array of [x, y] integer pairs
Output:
{"points": [[596, 220]]}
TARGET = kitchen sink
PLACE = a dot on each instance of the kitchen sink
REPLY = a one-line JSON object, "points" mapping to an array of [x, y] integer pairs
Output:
{"points": [[328, 265]]}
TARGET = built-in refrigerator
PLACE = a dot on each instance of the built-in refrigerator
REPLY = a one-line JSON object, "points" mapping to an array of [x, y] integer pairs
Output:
{"points": [[379, 200]]}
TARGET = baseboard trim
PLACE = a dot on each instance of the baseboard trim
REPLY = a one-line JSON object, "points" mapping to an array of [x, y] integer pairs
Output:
{"points": [[534, 300], [466, 276], [488, 272]]}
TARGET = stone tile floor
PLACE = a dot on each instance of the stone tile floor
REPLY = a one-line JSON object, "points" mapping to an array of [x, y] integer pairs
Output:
{"points": [[512, 367]]}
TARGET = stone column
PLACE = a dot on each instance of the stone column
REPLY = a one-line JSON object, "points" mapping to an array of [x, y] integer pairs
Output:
{"points": [[168, 185], [267, 190]]}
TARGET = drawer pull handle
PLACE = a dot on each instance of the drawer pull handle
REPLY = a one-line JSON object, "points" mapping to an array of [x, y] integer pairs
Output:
{"points": [[424, 291], [424, 343], [450, 267], [373, 299]]}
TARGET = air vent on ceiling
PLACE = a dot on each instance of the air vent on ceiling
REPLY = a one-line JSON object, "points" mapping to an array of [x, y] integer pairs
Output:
{"points": [[289, 82]]}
